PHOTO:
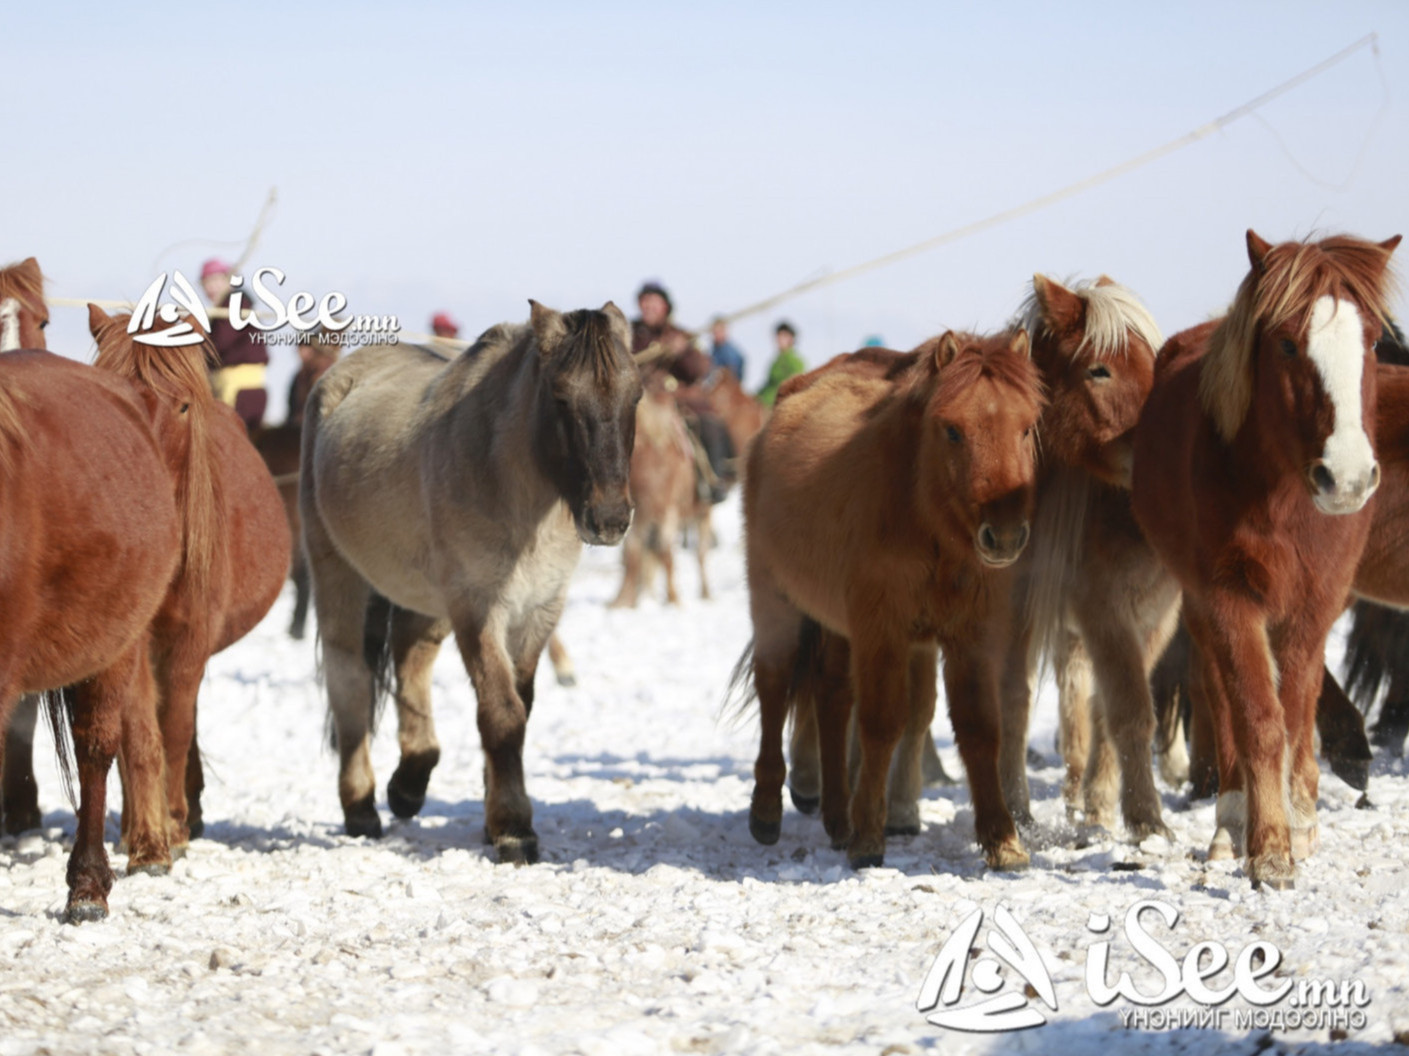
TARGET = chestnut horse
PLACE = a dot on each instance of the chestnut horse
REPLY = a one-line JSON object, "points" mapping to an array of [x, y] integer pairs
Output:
{"points": [[896, 563], [90, 540], [664, 486], [461, 490], [23, 313], [1253, 453], [236, 559]]}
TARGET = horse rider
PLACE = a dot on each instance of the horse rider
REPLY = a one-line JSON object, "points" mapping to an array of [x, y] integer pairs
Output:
{"points": [[238, 380]]}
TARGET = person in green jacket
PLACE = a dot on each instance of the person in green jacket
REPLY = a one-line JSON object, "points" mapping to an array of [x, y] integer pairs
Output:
{"points": [[785, 364]]}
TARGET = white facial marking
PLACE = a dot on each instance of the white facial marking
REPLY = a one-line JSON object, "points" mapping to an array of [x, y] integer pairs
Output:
{"points": [[9, 325], [1335, 344]]}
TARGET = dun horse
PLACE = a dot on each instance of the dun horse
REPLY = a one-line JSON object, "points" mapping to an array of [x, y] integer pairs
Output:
{"points": [[462, 491], [897, 561], [1254, 450], [91, 539], [236, 555]]}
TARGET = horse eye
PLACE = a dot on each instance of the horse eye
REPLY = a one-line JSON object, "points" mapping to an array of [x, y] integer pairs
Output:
{"points": [[44, 325], [1099, 371], [1027, 432], [185, 407], [953, 433], [1288, 347]]}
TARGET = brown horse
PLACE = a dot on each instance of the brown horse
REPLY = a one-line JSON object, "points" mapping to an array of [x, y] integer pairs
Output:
{"points": [[742, 415], [461, 490], [664, 488], [1252, 454], [236, 546], [90, 540], [894, 562]]}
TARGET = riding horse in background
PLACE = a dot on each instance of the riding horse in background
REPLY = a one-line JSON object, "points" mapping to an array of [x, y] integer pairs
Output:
{"points": [[1254, 450], [236, 547], [90, 540], [461, 490], [896, 564], [742, 415], [664, 487]]}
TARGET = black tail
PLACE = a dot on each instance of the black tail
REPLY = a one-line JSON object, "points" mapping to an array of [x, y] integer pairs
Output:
{"points": [[1379, 637], [58, 710]]}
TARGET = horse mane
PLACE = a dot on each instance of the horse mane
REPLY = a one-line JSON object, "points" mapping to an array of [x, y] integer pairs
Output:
{"points": [[589, 344], [977, 358], [1283, 288], [177, 377], [25, 283], [1113, 313]]}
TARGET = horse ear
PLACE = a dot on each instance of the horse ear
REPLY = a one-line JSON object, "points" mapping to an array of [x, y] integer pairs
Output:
{"points": [[945, 349], [1062, 310], [1106, 280], [1020, 345], [618, 322], [1258, 248], [1388, 245], [547, 326], [29, 267], [96, 319]]}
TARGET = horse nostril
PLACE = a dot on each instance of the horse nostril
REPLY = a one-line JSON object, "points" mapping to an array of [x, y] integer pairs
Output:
{"points": [[1023, 534], [1321, 479], [1374, 476], [987, 538]]}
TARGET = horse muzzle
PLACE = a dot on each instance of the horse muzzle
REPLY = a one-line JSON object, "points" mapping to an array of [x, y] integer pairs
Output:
{"points": [[1335, 495], [999, 547], [604, 524]]}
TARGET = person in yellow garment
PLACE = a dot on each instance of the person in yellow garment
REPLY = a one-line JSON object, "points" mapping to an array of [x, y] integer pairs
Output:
{"points": [[238, 379]]}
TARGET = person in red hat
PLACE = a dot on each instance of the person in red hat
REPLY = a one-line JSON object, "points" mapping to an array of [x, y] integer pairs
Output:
{"points": [[239, 378], [444, 326]]}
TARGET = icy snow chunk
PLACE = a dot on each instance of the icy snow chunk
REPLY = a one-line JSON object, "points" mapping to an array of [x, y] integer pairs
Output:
{"points": [[515, 993]]}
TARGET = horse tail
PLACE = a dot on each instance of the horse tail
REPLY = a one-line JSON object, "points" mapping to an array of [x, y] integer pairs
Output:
{"points": [[1378, 637], [178, 377], [377, 652], [58, 710], [1059, 526], [1169, 686], [741, 694]]}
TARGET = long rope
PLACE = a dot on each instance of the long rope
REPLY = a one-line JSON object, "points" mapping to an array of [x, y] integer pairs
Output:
{"points": [[1139, 161]]}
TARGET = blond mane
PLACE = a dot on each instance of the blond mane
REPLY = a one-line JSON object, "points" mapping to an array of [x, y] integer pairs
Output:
{"points": [[1113, 313], [1284, 288]]}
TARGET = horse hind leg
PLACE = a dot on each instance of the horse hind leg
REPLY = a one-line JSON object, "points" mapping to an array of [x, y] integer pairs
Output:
{"points": [[1016, 705], [702, 546], [1342, 730], [777, 627], [415, 643], [1074, 690], [906, 775], [146, 830], [805, 769], [20, 807]]}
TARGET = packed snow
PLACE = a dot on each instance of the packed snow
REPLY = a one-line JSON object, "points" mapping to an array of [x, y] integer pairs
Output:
{"points": [[654, 923]]}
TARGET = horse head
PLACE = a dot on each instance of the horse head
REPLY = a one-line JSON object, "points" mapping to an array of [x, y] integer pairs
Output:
{"points": [[589, 389], [980, 401], [1296, 355], [1095, 345], [23, 313]]}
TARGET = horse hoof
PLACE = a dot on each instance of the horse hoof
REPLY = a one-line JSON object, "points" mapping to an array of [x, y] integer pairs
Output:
{"points": [[363, 820], [403, 804], [197, 828], [150, 869], [1221, 849], [806, 804], [1007, 857], [85, 911], [903, 828], [1140, 831], [517, 850], [20, 821], [296, 633], [765, 832], [1354, 772], [567, 681], [866, 861], [1274, 883]]}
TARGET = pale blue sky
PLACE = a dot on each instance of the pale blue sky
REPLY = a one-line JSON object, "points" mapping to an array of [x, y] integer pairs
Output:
{"points": [[468, 157]]}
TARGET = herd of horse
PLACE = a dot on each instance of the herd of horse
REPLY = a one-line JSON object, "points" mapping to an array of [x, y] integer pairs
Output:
{"points": [[1074, 489]]}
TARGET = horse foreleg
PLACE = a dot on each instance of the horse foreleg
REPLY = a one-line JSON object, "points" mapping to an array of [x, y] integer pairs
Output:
{"points": [[415, 643], [1301, 667], [20, 807], [832, 698], [99, 705], [561, 661], [1016, 706], [1123, 695], [971, 684], [195, 788], [705, 541], [906, 776], [804, 758], [1342, 730], [1231, 636], [179, 676], [502, 720], [881, 674], [632, 554], [1074, 677]]}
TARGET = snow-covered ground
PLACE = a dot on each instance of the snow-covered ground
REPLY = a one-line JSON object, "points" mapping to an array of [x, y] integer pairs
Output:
{"points": [[654, 923]]}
